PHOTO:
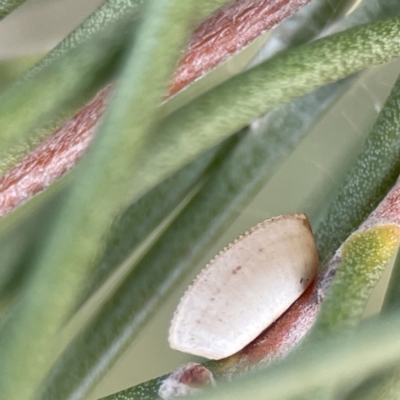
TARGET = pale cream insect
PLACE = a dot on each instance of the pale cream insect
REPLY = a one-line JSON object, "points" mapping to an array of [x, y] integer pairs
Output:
{"points": [[246, 288]]}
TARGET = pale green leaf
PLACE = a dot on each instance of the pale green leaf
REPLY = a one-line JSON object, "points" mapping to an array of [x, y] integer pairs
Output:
{"points": [[362, 260], [98, 194], [382, 386], [338, 361]]}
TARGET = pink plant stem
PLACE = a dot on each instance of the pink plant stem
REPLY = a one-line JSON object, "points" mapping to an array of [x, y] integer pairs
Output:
{"points": [[227, 31], [52, 158], [224, 33]]}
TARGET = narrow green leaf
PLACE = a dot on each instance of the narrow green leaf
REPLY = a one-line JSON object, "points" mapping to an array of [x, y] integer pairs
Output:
{"points": [[242, 174], [383, 386], [233, 104], [386, 385], [367, 182], [20, 244], [97, 196], [392, 296], [138, 220], [12, 69], [300, 28], [370, 10], [23, 232], [7, 6], [362, 260], [335, 362], [339, 361], [109, 14], [145, 391], [321, 15], [316, 393]]}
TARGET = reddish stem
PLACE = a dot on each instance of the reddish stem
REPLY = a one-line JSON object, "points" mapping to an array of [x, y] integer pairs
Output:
{"points": [[52, 158], [217, 38], [227, 31]]}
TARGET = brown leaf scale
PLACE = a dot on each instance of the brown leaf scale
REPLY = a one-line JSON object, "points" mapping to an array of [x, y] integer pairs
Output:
{"points": [[197, 376], [225, 32]]}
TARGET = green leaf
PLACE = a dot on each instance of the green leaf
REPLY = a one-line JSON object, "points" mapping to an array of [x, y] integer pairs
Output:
{"points": [[382, 386], [300, 28], [373, 173], [370, 10], [316, 393], [22, 235], [97, 196], [335, 362], [386, 385], [7, 6], [233, 104], [108, 15], [392, 297], [322, 14], [12, 69], [338, 361], [23, 239], [362, 260], [133, 225]]}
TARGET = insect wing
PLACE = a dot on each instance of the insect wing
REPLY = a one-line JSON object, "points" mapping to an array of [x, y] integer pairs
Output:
{"points": [[246, 288]]}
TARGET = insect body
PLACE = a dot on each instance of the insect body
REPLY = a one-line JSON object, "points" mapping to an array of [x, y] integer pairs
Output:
{"points": [[246, 288]]}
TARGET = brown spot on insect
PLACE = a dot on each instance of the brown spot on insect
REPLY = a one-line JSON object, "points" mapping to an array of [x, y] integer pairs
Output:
{"points": [[235, 270]]}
